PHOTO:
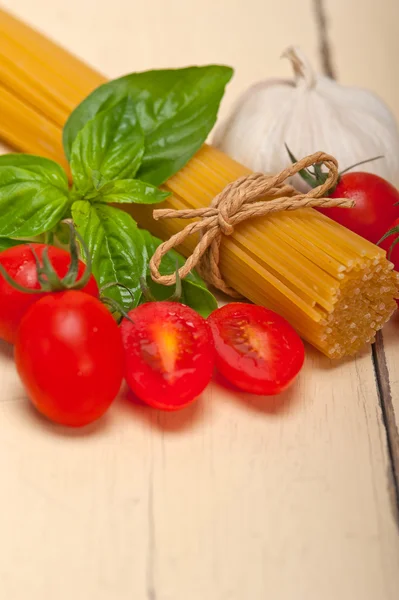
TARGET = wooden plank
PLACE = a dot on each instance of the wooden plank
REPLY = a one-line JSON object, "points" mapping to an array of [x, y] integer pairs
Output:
{"points": [[232, 498], [227, 500], [360, 63]]}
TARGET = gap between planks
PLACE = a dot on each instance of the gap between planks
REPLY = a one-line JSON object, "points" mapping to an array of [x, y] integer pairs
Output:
{"points": [[388, 415], [321, 19], [378, 350]]}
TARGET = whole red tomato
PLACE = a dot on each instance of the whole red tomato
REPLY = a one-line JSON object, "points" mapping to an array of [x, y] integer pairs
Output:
{"points": [[20, 264], [69, 356], [374, 211]]}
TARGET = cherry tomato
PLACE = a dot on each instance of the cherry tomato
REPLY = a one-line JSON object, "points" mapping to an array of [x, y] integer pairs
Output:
{"points": [[374, 210], [256, 349], [69, 356], [169, 354], [19, 262]]}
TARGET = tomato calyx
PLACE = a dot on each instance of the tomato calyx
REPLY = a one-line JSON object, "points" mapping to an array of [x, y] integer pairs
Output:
{"points": [[318, 177], [48, 279], [50, 282]]}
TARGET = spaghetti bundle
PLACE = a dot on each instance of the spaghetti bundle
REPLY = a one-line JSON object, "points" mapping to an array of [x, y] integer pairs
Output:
{"points": [[333, 286]]}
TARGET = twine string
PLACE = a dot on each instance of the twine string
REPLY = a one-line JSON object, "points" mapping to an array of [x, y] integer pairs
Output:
{"points": [[250, 196]]}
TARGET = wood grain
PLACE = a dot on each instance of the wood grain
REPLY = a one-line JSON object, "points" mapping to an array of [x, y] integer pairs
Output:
{"points": [[235, 498]]}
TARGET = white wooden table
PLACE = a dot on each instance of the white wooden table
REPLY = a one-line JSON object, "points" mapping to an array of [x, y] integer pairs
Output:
{"points": [[231, 499]]}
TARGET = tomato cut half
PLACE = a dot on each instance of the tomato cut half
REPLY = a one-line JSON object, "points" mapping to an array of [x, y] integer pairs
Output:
{"points": [[256, 349], [169, 354]]}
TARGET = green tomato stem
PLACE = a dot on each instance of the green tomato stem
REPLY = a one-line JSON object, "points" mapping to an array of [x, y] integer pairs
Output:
{"points": [[47, 275]]}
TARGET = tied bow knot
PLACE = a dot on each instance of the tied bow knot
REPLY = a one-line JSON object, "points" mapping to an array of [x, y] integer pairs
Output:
{"points": [[250, 196]]}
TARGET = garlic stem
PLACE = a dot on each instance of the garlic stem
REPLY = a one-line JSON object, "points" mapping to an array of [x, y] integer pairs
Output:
{"points": [[303, 71]]}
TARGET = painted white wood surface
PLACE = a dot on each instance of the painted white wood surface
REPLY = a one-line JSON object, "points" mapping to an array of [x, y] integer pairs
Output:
{"points": [[227, 500], [232, 499]]}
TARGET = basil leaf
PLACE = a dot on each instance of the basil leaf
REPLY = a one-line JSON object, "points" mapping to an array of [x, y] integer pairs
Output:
{"points": [[30, 162], [199, 298], [170, 260], [6, 243], [128, 191], [110, 146], [116, 247], [196, 296], [33, 195], [194, 290], [176, 109]]}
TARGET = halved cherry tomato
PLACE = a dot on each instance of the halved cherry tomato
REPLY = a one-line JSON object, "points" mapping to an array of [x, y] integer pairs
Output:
{"points": [[375, 205], [256, 349], [19, 262], [169, 354], [69, 356]]}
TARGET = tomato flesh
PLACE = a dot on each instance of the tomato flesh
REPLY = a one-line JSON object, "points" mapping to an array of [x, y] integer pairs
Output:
{"points": [[69, 356], [19, 262], [169, 354], [374, 211], [256, 349]]}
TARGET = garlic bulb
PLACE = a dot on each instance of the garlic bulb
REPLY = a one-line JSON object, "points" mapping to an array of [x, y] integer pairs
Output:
{"points": [[309, 114]]}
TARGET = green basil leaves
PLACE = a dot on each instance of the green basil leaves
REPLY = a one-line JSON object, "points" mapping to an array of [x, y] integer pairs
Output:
{"points": [[122, 142], [121, 253], [107, 153], [33, 195], [128, 191], [117, 250], [6, 243], [176, 109], [109, 147], [126, 138]]}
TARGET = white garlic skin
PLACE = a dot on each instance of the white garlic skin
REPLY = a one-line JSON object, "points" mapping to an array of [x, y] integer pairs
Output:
{"points": [[309, 114]]}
